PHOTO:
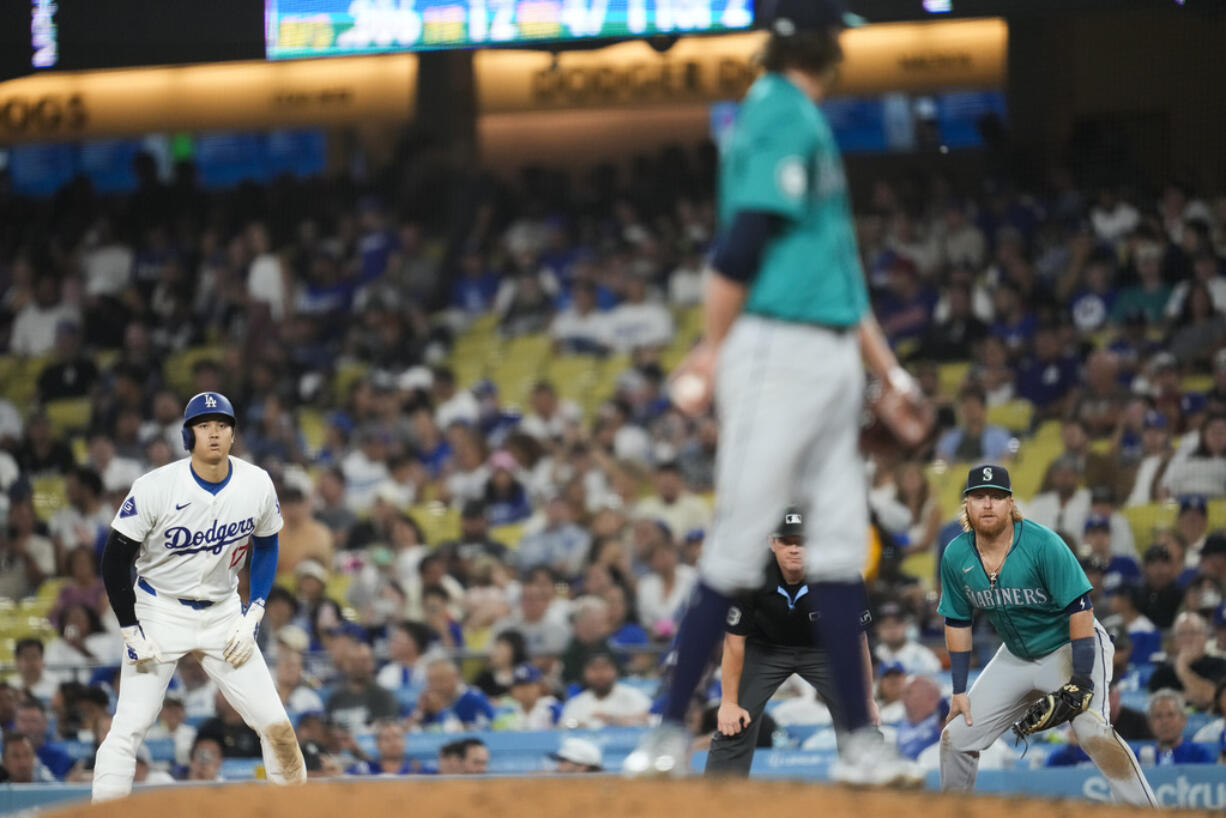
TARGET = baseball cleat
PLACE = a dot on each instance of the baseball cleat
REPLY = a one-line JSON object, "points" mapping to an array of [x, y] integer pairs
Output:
{"points": [[867, 761], [663, 753]]}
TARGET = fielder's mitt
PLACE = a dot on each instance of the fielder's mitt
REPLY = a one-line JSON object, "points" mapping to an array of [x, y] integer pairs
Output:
{"points": [[1055, 709]]}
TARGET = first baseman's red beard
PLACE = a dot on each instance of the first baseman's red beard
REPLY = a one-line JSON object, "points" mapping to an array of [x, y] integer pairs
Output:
{"points": [[995, 527]]}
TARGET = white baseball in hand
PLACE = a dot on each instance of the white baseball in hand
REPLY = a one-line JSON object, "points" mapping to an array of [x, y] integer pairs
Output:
{"points": [[689, 389]]}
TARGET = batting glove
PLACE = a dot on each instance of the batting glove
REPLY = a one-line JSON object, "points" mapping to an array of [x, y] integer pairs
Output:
{"points": [[139, 649], [240, 644]]}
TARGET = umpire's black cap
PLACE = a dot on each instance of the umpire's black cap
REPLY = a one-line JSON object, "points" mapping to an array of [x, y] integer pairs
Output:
{"points": [[791, 524], [987, 477], [786, 17]]}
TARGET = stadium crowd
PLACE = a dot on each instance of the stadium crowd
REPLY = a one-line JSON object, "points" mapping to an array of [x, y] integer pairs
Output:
{"points": [[1077, 331]]}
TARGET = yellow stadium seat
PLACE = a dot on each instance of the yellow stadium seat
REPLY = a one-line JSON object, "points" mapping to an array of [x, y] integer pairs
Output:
{"points": [[311, 425], [945, 482], [1144, 519], [178, 367], [80, 450], [573, 376], [49, 496], [1196, 383], [529, 350], [689, 325], [348, 373], [509, 534], [922, 566], [1015, 415], [439, 522], [951, 376], [1030, 465], [69, 415]]}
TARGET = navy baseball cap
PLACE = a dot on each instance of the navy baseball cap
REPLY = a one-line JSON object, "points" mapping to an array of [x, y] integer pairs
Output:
{"points": [[792, 524], [786, 17], [1219, 615], [891, 667], [526, 673], [1154, 420], [987, 477], [1095, 521], [1193, 502]]}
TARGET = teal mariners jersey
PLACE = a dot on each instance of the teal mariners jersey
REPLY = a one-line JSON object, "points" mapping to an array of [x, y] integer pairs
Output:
{"points": [[781, 158], [1039, 580]]}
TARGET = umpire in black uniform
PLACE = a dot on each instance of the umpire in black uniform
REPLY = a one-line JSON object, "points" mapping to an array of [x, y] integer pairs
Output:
{"points": [[768, 639]]}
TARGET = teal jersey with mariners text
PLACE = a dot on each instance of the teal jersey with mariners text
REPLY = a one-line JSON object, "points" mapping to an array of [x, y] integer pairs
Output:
{"points": [[1040, 578], [781, 158]]}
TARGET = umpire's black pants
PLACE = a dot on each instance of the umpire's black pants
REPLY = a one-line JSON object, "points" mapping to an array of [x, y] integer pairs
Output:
{"points": [[766, 667]]}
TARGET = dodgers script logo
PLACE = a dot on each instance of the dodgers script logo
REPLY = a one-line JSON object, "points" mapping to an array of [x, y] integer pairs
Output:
{"points": [[182, 540]]}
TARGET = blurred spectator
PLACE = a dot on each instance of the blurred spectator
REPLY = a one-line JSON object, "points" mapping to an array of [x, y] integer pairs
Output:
{"points": [[377, 527], [1103, 504], [544, 634], [891, 679], [559, 544], [974, 440], [71, 373], [905, 307], [236, 738], [83, 585], [590, 632], [172, 724], [42, 451], [1066, 505], [1150, 294], [1203, 471], [1132, 725], [1102, 398], [1156, 457], [577, 755], [32, 677], [672, 504], [957, 327], [506, 654], [451, 403], [31, 722], [35, 326], [664, 589], [391, 749], [205, 761], [895, 644], [1118, 569], [581, 328], [625, 632], [330, 509], [302, 536], [605, 701], [196, 688], [506, 499], [1206, 273], [405, 672], [85, 516], [637, 322], [297, 696], [1112, 217], [550, 417], [1212, 732], [117, 473], [357, 701], [19, 763], [474, 757], [524, 302], [1200, 329], [925, 710], [82, 644], [26, 556], [1048, 376], [1014, 324], [1189, 669], [530, 705], [473, 290], [1167, 719], [447, 704], [1161, 595], [365, 468], [1145, 637]]}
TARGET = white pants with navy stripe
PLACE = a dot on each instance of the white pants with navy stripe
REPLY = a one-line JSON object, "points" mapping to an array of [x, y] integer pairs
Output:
{"points": [[177, 630], [1008, 686], [789, 398]]}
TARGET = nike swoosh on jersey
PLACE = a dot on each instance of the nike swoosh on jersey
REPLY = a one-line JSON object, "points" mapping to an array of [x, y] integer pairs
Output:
{"points": [[181, 507], [968, 568]]}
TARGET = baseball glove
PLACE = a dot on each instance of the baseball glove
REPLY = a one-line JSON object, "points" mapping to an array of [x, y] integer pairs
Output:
{"points": [[895, 419], [1055, 708]]}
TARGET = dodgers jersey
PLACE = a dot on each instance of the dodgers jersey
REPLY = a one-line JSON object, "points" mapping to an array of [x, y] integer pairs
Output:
{"points": [[781, 157], [192, 541], [1040, 578]]}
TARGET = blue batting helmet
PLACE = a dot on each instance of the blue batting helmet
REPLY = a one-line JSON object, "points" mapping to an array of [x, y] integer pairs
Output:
{"points": [[203, 405]]}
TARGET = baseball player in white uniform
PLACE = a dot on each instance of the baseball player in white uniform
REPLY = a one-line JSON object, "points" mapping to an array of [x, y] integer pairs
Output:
{"points": [[189, 526]]}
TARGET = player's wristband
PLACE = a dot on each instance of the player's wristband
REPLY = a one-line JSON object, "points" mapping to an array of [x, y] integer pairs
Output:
{"points": [[1083, 660], [959, 669]]}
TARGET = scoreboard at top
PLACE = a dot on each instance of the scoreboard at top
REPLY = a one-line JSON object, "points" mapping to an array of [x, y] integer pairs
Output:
{"points": [[319, 28]]}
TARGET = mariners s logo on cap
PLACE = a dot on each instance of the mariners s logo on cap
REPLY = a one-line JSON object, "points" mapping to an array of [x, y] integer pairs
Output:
{"points": [[988, 477]]}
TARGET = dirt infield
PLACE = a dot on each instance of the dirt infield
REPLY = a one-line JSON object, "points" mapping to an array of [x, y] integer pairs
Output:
{"points": [[578, 798]]}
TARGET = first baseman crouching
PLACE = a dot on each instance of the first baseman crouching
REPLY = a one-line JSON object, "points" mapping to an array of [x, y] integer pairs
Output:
{"points": [[188, 526], [1028, 583]]}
